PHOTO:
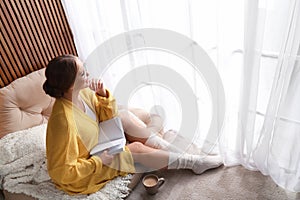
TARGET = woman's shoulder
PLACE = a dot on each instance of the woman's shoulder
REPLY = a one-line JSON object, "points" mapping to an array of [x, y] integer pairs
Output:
{"points": [[60, 105], [60, 110]]}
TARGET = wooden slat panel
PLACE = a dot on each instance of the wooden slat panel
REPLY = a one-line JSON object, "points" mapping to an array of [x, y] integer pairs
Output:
{"points": [[9, 57], [46, 32], [25, 20], [2, 79], [51, 24], [33, 29], [67, 33], [59, 26], [32, 33], [17, 36], [41, 31], [4, 62]]}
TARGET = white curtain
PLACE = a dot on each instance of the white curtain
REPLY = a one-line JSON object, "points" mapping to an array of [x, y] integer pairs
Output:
{"points": [[254, 46], [269, 121]]}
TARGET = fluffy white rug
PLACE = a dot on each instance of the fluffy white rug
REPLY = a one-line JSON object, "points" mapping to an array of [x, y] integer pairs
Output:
{"points": [[23, 169]]}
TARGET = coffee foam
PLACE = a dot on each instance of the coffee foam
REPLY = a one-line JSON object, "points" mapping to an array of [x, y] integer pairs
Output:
{"points": [[150, 181]]}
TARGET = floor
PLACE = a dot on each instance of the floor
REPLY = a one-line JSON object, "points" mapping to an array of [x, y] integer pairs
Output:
{"points": [[226, 183]]}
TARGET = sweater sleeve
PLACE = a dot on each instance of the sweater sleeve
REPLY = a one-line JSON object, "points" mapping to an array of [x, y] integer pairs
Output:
{"points": [[106, 106], [65, 165]]}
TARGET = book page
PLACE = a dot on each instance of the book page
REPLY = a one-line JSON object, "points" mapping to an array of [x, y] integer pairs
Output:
{"points": [[111, 137]]}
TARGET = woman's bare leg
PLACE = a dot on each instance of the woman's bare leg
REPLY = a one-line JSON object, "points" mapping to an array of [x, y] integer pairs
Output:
{"points": [[160, 159], [153, 121], [149, 157], [137, 131], [139, 124]]}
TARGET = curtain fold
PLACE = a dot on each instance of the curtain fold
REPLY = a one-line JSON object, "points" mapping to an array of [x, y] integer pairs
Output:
{"points": [[254, 45], [268, 140]]}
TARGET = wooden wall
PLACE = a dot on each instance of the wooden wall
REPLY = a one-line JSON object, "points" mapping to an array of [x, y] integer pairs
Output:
{"points": [[32, 33]]}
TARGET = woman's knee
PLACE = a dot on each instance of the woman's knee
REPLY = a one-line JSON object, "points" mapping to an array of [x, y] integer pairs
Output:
{"points": [[136, 147], [125, 118], [141, 114]]}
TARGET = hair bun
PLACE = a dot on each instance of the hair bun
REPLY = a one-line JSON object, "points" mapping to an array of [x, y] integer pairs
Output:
{"points": [[52, 91]]}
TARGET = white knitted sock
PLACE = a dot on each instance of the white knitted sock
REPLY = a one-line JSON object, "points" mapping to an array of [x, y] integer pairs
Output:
{"points": [[157, 142], [196, 163]]}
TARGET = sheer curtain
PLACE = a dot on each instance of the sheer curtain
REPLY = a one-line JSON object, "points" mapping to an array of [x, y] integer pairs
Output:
{"points": [[269, 122], [254, 47]]}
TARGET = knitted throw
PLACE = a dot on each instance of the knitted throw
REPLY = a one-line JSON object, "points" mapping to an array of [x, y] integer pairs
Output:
{"points": [[23, 169]]}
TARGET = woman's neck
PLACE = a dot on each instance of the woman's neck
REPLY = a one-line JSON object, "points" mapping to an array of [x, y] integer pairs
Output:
{"points": [[75, 98], [72, 95]]}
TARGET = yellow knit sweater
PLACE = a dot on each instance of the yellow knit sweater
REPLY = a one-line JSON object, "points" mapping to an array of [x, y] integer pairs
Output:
{"points": [[71, 134]]}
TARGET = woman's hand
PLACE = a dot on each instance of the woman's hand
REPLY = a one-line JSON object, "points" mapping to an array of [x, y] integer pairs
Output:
{"points": [[106, 158], [98, 86]]}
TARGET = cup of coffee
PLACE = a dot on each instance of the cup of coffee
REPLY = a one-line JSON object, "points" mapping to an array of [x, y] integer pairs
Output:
{"points": [[152, 183]]}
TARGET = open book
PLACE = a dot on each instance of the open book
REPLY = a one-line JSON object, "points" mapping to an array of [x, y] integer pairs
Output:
{"points": [[111, 137]]}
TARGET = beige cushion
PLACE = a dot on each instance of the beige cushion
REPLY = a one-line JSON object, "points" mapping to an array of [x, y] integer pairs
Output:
{"points": [[24, 104]]}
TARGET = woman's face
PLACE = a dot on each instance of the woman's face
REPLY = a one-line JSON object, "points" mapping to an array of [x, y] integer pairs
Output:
{"points": [[82, 80]]}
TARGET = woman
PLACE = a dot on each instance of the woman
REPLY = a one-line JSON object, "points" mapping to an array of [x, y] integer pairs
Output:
{"points": [[73, 131]]}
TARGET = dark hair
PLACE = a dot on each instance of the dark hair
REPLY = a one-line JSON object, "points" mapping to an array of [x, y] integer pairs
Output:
{"points": [[60, 75]]}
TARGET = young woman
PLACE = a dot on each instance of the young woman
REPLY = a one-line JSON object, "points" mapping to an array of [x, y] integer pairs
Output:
{"points": [[73, 131]]}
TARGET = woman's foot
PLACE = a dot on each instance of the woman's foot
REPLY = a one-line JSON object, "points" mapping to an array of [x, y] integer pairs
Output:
{"points": [[206, 163], [198, 164], [188, 146]]}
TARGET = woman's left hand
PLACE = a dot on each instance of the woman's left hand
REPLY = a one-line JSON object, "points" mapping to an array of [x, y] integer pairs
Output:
{"points": [[98, 86]]}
